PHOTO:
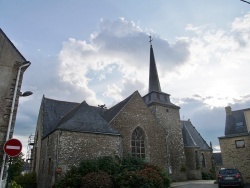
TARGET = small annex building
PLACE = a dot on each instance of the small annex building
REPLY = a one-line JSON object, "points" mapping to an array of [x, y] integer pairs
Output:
{"points": [[147, 126], [235, 144]]}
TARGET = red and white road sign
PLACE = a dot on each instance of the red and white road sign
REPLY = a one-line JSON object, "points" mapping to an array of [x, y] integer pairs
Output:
{"points": [[12, 147]]}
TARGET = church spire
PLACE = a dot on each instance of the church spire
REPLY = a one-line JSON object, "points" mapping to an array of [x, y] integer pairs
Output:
{"points": [[154, 84]]}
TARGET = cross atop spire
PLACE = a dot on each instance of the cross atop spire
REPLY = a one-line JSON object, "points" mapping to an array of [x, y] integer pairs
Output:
{"points": [[154, 84], [150, 39]]}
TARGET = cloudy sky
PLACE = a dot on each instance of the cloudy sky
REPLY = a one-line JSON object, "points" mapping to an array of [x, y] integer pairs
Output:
{"points": [[98, 51]]}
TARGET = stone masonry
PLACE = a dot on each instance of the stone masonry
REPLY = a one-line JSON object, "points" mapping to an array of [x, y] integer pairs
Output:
{"points": [[169, 118], [65, 149], [233, 157], [10, 60], [136, 114]]}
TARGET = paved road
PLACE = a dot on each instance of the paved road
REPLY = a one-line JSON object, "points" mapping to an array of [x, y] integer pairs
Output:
{"points": [[194, 184], [198, 184]]}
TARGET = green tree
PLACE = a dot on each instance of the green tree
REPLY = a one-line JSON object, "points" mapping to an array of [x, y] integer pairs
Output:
{"points": [[16, 167]]}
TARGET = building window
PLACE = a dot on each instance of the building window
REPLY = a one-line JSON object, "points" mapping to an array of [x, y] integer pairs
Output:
{"points": [[239, 124], [240, 143], [48, 140], [43, 166], [203, 162], [49, 166], [138, 143], [196, 160]]}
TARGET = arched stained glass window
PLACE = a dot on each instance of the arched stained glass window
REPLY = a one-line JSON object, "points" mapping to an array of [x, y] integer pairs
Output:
{"points": [[138, 143], [203, 160], [196, 160]]}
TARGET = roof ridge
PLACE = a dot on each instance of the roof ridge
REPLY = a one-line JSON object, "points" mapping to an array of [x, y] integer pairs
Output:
{"points": [[71, 113], [59, 100]]}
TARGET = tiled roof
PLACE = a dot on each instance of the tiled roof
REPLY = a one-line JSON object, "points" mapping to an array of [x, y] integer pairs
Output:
{"points": [[73, 117], [191, 137], [112, 112], [235, 123]]}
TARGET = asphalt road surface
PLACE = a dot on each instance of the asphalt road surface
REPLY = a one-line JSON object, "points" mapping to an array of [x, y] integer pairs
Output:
{"points": [[198, 186], [203, 186]]}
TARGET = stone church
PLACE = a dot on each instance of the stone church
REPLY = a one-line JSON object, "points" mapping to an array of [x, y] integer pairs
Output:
{"points": [[147, 126]]}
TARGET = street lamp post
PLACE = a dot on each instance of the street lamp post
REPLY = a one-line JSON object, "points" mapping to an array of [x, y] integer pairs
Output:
{"points": [[11, 114]]}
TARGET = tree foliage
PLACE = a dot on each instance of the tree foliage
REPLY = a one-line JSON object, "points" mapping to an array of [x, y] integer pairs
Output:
{"points": [[27, 180], [16, 167]]}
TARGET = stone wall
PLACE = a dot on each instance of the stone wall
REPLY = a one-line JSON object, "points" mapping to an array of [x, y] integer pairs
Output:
{"points": [[10, 60], [193, 171], [37, 141], [236, 157], [136, 114], [72, 148], [169, 118], [208, 168]]}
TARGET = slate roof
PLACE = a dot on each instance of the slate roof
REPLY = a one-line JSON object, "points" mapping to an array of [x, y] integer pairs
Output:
{"points": [[73, 117], [235, 123], [191, 137], [112, 112], [154, 83], [218, 159]]}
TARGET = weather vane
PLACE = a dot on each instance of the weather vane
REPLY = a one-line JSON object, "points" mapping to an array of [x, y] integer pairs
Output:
{"points": [[150, 39]]}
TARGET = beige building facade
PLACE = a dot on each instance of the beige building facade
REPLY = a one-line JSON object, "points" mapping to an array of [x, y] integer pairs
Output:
{"points": [[235, 145]]}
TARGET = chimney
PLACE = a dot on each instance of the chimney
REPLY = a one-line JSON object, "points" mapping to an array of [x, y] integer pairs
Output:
{"points": [[228, 110]]}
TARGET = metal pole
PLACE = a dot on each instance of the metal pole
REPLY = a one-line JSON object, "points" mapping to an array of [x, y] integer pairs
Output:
{"points": [[8, 177], [11, 116]]}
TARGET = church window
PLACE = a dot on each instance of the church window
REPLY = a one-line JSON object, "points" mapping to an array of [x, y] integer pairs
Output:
{"points": [[138, 143], [196, 160], [43, 166], [48, 141], [203, 162], [49, 166]]}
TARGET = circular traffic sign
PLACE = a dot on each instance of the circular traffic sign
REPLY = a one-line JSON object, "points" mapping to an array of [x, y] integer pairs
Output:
{"points": [[12, 147]]}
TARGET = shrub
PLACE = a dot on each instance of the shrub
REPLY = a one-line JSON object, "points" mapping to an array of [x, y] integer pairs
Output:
{"points": [[87, 166], [115, 172], [97, 180], [109, 165], [151, 177], [71, 179], [207, 176], [27, 180], [130, 179], [163, 173], [13, 184], [131, 163]]}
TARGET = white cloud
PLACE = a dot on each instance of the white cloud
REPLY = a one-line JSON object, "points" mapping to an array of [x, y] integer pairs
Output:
{"points": [[120, 49], [203, 71], [218, 64]]}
